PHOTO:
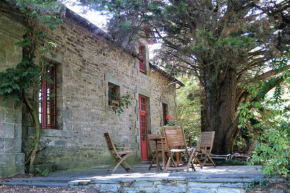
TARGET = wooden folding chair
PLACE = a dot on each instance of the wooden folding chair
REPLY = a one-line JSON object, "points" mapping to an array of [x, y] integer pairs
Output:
{"points": [[152, 147], [176, 143], [119, 156], [205, 147]]}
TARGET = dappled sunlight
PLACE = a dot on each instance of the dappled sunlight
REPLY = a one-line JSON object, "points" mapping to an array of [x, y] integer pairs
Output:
{"points": [[205, 172]]}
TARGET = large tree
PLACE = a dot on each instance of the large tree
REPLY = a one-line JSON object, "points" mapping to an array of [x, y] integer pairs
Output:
{"points": [[227, 44]]}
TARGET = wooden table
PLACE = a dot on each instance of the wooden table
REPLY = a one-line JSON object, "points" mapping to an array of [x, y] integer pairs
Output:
{"points": [[161, 140]]}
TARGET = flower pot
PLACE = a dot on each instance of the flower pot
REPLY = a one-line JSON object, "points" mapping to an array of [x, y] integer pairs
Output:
{"points": [[115, 103]]}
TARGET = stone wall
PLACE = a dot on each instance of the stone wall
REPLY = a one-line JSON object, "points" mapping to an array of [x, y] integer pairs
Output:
{"points": [[11, 158], [88, 63], [164, 185]]}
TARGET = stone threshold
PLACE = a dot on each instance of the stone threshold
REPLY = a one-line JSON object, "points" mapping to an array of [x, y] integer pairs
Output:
{"points": [[160, 185]]}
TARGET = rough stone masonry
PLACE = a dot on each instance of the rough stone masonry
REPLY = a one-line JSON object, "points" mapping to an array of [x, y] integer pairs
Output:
{"points": [[11, 158]]}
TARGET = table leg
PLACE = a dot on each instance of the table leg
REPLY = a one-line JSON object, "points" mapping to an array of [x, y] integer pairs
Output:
{"points": [[157, 160], [178, 157], [163, 156]]}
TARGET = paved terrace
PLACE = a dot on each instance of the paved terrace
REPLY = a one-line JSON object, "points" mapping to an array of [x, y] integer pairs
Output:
{"points": [[209, 179]]}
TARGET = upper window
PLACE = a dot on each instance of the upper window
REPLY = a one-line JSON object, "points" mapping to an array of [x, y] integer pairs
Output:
{"points": [[47, 98], [142, 64]]}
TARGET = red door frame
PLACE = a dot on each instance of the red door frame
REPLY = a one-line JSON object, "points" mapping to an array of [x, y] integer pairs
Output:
{"points": [[143, 128]]}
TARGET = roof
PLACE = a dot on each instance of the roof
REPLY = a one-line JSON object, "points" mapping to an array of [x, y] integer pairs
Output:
{"points": [[165, 74], [96, 30]]}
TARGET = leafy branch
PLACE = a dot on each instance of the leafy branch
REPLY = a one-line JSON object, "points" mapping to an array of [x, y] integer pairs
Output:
{"points": [[125, 102]]}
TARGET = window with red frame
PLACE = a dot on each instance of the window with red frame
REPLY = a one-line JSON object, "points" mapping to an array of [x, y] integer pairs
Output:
{"points": [[47, 98], [142, 64]]}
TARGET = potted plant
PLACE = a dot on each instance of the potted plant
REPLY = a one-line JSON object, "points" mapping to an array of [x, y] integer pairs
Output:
{"points": [[114, 103]]}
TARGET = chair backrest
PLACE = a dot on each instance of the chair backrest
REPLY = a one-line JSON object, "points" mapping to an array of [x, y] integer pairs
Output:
{"points": [[174, 136], [206, 140], [152, 144], [110, 144]]}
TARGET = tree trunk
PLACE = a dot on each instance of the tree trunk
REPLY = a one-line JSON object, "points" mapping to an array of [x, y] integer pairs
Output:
{"points": [[203, 122], [34, 113], [221, 115]]}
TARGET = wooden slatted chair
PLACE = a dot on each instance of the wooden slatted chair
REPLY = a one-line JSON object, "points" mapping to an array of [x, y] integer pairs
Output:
{"points": [[176, 143], [119, 156], [205, 147], [152, 147]]}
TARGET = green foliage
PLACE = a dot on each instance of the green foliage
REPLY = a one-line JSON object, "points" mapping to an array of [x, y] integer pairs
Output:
{"points": [[272, 126], [188, 103], [258, 183], [42, 144], [125, 102], [50, 21], [273, 148], [42, 172], [14, 80], [207, 38], [43, 11]]}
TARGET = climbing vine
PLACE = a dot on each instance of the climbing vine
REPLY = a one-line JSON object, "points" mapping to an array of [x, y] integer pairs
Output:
{"points": [[14, 82]]}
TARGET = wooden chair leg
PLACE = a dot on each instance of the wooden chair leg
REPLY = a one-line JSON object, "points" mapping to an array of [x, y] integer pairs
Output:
{"points": [[192, 163], [190, 159], [154, 157], [168, 162], [211, 160], [204, 161], [174, 164], [117, 166], [111, 166], [120, 161], [198, 161], [208, 158], [171, 161], [126, 166]]}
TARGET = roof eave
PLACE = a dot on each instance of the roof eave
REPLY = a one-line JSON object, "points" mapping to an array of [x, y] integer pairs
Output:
{"points": [[104, 35]]}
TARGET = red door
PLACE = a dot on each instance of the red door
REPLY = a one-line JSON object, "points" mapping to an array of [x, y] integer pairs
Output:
{"points": [[143, 128]]}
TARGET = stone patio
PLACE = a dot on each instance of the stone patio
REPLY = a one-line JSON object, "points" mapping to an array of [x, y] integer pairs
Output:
{"points": [[206, 180]]}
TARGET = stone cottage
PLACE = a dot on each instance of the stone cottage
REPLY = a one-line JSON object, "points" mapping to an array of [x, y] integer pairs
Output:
{"points": [[88, 75]]}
